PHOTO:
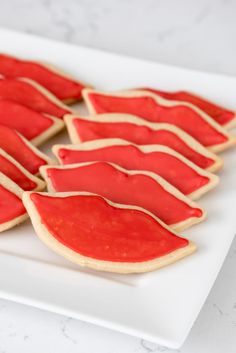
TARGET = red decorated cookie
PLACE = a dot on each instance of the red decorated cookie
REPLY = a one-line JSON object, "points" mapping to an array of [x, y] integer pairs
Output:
{"points": [[32, 95], [17, 173], [34, 126], [22, 150], [94, 232], [12, 210], [156, 109], [221, 115], [140, 132], [173, 167], [119, 185], [60, 84]]}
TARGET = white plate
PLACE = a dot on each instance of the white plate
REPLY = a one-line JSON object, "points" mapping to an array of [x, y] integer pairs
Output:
{"points": [[160, 306]]}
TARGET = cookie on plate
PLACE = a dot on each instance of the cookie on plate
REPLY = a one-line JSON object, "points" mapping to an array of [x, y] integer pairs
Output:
{"points": [[94, 232], [56, 81], [22, 150], [141, 132], [32, 95], [221, 115], [130, 187], [170, 165], [34, 126], [17, 173], [156, 109]]}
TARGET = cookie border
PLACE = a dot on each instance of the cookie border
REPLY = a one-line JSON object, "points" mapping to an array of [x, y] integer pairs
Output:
{"points": [[167, 103], [16, 190], [39, 182], [127, 118], [94, 144], [169, 188], [108, 266]]}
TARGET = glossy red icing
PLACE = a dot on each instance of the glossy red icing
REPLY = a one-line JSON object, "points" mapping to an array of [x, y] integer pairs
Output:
{"points": [[15, 174], [11, 205], [147, 108], [118, 186], [15, 146], [24, 93], [62, 87], [177, 173], [26, 121], [140, 135], [93, 228], [221, 115]]}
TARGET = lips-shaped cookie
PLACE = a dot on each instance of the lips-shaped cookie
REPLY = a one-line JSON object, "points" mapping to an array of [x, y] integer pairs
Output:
{"points": [[22, 150], [34, 126], [137, 188], [154, 108], [60, 84], [221, 115], [173, 167], [14, 170], [140, 132], [12, 210], [29, 93], [94, 232]]}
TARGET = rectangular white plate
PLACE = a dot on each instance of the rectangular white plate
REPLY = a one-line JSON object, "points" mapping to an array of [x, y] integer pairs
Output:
{"points": [[160, 306]]}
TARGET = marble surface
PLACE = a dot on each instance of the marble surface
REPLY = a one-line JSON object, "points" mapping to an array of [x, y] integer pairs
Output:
{"points": [[196, 34]]}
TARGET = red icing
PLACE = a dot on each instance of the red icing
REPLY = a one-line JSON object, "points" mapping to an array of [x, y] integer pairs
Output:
{"points": [[93, 228], [24, 93], [62, 87], [13, 144], [140, 135], [169, 167], [11, 205], [26, 121], [147, 108], [15, 174], [221, 115], [117, 186]]}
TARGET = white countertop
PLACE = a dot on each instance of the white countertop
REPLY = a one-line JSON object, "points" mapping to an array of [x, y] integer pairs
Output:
{"points": [[196, 34]]}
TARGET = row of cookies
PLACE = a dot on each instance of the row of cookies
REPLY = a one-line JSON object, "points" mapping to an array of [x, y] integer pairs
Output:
{"points": [[68, 90], [31, 112], [119, 154], [157, 164]]}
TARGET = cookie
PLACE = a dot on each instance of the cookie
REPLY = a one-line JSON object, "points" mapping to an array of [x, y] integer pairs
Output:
{"points": [[170, 165], [94, 232], [14, 170], [130, 187], [156, 109], [34, 96], [221, 115], [60, 84], [141, 132], [35, 127], [22, 150], [12, 210]]}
